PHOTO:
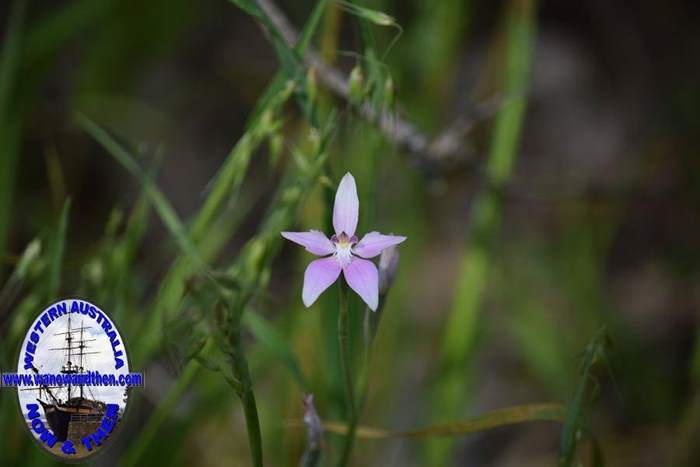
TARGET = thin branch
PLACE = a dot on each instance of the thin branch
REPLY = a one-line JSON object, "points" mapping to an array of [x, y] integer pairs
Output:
{"points": [[447, 150]]}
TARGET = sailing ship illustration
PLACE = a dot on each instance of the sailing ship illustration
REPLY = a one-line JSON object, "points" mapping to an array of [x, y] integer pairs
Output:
{"points": [[71, 410]]}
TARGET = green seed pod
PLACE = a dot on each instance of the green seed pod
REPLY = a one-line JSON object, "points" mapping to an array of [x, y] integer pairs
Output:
{"points": [[381, 19], [377, 17], [356, 84]]}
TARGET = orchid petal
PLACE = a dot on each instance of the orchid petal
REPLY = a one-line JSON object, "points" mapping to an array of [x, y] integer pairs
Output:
{"points": [[363, 278], [314, 241], [346, 206], [373, 243], [319, 275]]}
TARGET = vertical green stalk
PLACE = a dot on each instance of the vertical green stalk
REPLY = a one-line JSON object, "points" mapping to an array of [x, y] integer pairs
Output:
{"points": [[573, 428], [250, 409], [244, 389], [344, 340], [451, 393]]}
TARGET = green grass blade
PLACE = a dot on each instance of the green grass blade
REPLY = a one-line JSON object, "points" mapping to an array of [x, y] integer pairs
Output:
{"points": [[161, 204], [277, 93], [57, 249], [461, 328], [228, 181], [252, 265], [30, 256], [120, 258], [311, 26], [495, 419], [279, 81], [595, 352], [288, 58], [225, 191]]}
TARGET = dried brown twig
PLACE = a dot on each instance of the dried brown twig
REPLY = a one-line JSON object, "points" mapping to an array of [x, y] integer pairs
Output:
{"points": [[436, 154]]}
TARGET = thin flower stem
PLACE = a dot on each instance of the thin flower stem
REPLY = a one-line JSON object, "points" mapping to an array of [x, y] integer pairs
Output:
{"points": [[344, 339], [244, 389], [252, 424], [250, 410]]}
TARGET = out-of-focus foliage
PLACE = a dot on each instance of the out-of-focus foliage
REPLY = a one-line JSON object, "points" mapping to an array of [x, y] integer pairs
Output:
{"points": [[539, 156]]}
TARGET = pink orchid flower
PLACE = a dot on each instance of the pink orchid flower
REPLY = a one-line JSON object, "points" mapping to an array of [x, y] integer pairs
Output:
{"points": [[342, 252]]}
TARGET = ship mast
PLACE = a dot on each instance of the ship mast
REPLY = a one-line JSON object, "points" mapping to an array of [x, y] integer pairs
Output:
{"points": [[70, 368], [82, 346]]}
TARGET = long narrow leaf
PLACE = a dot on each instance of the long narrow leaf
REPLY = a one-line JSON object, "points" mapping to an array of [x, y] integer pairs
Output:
{"points": [[595, 351], [495, 419], [11, 288], [56, 259], [311, 26], [461, 329], [162, 206]]}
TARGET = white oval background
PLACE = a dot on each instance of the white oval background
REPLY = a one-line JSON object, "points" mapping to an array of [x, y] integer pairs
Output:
{"points": [[50, 361]]}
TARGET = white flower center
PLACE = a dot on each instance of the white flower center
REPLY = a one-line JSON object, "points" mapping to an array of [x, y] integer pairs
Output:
{"points": [[343, 253], [343, 248]]}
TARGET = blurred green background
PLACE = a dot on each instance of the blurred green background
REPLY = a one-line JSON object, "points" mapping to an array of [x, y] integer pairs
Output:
{"points": [[548, 181]]}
